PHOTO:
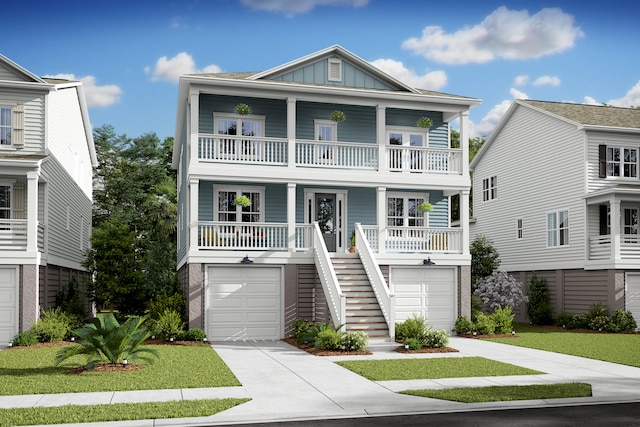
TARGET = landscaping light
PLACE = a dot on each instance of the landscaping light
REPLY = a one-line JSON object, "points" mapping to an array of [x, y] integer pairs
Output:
{"points": [[73, 339], [513, 332], [474, 333], [153, 337], [205, 339], [11, 344], [171, 339], [124, 363]]}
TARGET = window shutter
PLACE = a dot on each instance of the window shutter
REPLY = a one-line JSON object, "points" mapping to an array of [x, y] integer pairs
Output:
{"points": [[604, 229], [17, 136], [602, 153], [18, 200]]}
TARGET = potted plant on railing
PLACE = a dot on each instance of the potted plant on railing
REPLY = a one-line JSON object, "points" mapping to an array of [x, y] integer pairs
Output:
{"points": [[352, 249], [424, 122], [337, 116], [425, 207], [243, 201], [243, 109]]}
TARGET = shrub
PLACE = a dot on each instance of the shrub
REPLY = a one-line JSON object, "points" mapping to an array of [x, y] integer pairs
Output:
{"points": [[563, 319], [539, 308], [596, 309], [624, 320], [599, 323], [355, 340], [499, 289], [579, 321], [413, 343], [414, 327], [476, 307], [161, 303], [309, 335], [503, 319], [169, 324], [484, 259], [195, 334], [54, 325], [71, 300], [464, 325], [25, 339], [328, 339], [484, 324], [300, 326], [436, 339]]}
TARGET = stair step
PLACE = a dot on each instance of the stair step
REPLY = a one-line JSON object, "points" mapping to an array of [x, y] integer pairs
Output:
{"points": [[365, 314]]}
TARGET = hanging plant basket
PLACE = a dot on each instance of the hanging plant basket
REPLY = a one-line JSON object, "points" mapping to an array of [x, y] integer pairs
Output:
{"points": [[243, 109], [424, 122], [243, 201], [337, 116], [425, 207]]}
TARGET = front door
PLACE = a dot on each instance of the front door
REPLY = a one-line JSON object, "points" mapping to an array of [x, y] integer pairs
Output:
{"points": [[325, 205], [328, 208]]}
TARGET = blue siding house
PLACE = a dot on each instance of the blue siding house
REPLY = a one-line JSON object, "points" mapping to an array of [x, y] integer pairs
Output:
{"points": [[280, 171]]}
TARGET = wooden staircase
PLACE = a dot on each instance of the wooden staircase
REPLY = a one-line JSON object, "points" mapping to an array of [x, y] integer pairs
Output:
{"points": [[362, 309]]}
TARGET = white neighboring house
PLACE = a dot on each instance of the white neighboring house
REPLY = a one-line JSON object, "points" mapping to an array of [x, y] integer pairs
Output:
{"points": [[47, 158], [556, 187], [249, 269]]}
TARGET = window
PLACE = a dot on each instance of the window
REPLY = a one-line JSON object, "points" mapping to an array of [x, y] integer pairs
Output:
{"points": [[5, 126], [618, 161], [519, 229], [630, 225], [325, 130], [5, 202], [490, 188], [228, 211], [558, 228], [334, 73], [413, 159], [239, 149], [402, 210]]}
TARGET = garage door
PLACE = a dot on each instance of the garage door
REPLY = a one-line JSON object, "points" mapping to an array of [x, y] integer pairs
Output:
{"points": [[244, 303], [632, 295], [8, 304], [428, 291]]}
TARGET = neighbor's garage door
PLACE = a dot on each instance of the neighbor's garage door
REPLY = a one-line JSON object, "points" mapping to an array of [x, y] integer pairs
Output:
{"points": [[8, 304], [632, 295], [430, 291], [244, 303]]}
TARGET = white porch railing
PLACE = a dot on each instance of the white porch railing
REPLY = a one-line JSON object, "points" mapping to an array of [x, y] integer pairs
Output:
{"points": [[13, 234], [416, 239], [336, 300], [386, 300], [348, 155], [242, 149], [600, 247], [424, 160], [252, 236]]}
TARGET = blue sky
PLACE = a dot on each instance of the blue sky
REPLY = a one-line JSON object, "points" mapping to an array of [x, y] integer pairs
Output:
{"points": [[129, 54]]}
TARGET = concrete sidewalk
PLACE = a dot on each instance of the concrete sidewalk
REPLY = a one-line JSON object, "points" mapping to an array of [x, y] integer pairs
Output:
{"points": [[288, 384]]}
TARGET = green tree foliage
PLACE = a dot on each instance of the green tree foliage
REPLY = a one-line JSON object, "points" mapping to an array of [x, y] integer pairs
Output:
{"points": [[134, 217], [484, 258], [539, 308]]}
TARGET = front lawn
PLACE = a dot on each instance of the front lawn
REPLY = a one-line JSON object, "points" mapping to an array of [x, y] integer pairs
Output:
{"points": [[450, 367], [27, 370], [615, 348]]}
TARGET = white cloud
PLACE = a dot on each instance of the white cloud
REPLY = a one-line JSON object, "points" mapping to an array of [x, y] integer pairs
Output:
{"points": [[493, 117], [433, 80], [293, 7], [630, 99], [590, 101], [547, 81], [506, 34], [516, 94], [95, 95], [170, 69], [521, 80]]}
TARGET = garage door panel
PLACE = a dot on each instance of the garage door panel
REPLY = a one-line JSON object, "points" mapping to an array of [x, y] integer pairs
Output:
{"points": [[8, 304], [226, 302], [260, 302], [408, 288], [415, 301], [226, 287], [262, 317], [263, 287], [219, 317]]}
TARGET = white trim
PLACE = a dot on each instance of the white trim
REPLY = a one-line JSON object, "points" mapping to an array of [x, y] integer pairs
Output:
{"points": [[406, 195], [557, 229], [334, 69], [342, 221], [239, 189]]}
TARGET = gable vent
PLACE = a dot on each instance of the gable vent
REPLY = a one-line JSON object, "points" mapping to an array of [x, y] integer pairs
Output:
{"points": [[335, 70]]}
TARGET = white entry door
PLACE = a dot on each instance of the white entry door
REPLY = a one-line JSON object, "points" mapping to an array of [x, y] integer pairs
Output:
{"points": [[244, 303], [8, 304]]}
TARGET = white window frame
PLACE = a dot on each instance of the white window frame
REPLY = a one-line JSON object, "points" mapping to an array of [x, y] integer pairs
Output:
{"points": [[238, 189], [557, 232], [334, 70], [7, 127], [11, 199], [239, 146], [490, 188], [406, 158], [325, 153], [519, 229], [621, 163], [405, 215]]}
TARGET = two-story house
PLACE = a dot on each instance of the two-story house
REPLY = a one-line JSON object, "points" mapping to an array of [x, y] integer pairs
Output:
{"points": [[46, 163], [556, 187], [279, 170]]}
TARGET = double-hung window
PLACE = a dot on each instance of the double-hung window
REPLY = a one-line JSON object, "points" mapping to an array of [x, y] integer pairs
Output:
{"points": [[6, 126], [325, 130], [490, 188], [558, 228], [618, 161], [235, 147]]}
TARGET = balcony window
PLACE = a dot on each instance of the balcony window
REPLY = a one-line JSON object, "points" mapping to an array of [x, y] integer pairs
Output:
{"points": [[250, 126], [228, 210]]}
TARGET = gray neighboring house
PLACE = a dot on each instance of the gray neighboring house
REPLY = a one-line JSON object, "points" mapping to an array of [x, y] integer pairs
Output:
{"points": [[269, 197], [47, 158], [557, 189]]}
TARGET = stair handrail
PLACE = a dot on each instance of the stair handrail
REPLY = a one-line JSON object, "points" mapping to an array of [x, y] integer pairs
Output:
{"points": [[386, 299], [336, 300]]}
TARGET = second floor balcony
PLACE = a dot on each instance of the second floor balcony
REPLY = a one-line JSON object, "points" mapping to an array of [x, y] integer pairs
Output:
{"points": [[13, 235]]}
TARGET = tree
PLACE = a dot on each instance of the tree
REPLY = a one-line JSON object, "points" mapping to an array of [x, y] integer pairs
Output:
{"points": [[484, 259], [499, 289], [539, 308]]}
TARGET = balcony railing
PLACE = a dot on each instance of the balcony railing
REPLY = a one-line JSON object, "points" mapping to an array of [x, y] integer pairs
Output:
{"points": [[416, 239], [600, 247], [13, 235], [327, 154]]}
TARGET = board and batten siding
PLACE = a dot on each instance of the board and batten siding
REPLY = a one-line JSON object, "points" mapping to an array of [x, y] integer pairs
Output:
{"points": [[539, 164], [34, 112]]}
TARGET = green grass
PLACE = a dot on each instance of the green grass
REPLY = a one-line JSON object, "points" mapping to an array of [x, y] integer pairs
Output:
{"points": [[449, 367], [115, 412], [31, 371], [506, 393], [616, 348]]}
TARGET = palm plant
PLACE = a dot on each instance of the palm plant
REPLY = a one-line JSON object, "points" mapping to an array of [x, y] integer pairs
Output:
{"points": [[109, 341]]}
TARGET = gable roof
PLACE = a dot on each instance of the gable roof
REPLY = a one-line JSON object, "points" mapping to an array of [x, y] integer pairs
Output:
{"points": [[583, 116], [24, 75]]}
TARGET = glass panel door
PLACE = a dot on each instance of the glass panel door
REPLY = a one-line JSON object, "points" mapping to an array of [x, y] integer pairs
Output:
{"points": [[325, 205]]}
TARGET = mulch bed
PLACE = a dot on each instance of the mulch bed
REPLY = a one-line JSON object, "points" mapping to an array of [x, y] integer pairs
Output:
{"points": [[478, 336], [317, 352]]}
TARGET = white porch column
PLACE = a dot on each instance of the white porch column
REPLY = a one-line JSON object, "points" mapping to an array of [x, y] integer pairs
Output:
{"points": [[464, 220], [192, 214], [291, 216], [382, 218], [193, 108], [291, 132], [32, 211], [381, 125], [615, 229], [464, 142]]}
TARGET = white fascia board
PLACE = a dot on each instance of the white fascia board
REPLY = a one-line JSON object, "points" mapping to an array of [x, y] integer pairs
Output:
{"points": [[27, 85]]}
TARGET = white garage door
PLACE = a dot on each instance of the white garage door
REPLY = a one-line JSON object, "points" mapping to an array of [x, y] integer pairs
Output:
{"points": [[8, 304], [244, 303], [430, 291], [632, 295]]}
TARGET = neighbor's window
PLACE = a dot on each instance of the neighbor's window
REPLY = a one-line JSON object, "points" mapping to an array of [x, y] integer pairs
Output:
{"points": [[5, 125], [558, 228], [519, 229], [490, 188], [621, 161]]}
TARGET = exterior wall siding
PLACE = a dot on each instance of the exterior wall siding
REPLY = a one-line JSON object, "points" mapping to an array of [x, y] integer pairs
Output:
{"points": [[275, 112], [355, 128], [34, 107]]}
